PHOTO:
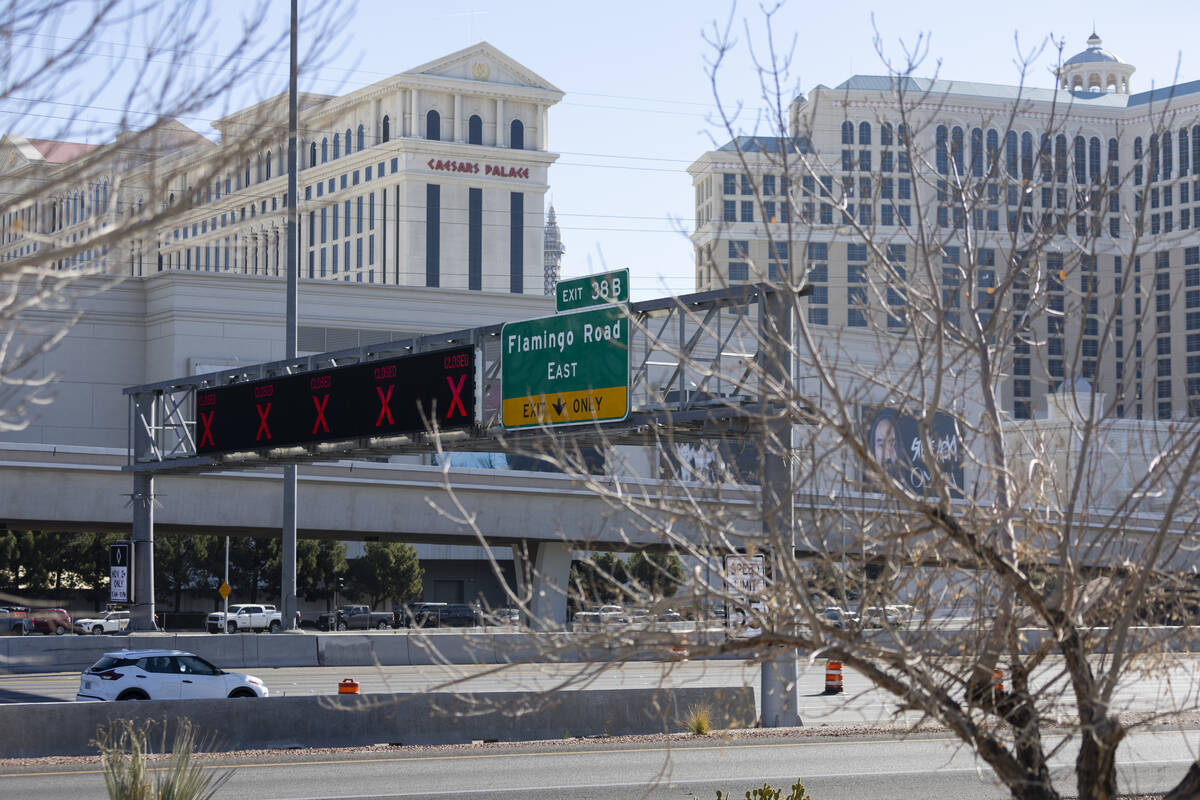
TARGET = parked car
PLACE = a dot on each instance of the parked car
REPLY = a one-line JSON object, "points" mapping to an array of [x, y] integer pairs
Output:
{"points": [[419, 615], [162, 675], [15, 621], [670, 615], [356, 618], [245, 617], [458, 615], [108, 622], [503, 616], [50, 620], [605, 615], [840, 617]]}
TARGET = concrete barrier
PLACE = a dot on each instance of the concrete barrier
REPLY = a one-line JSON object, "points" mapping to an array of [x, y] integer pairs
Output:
{"points": [[67, 729]]}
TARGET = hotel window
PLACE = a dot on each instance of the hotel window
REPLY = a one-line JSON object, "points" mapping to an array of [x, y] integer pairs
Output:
{"points": [[729, 183], [847, 132], [516, 135], [475, 130], [433, 127], [362, 138], [387, 128], [336, 146]]}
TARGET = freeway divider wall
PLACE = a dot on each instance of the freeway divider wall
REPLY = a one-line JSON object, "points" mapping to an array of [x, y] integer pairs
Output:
{"points": [[67, 729]]}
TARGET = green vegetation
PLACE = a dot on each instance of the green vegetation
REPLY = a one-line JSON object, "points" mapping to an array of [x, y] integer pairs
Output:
{"points": [[699, 720], [768, 792], [124, 751]]}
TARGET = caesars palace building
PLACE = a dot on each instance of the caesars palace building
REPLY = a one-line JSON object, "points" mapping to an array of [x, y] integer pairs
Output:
{"points": [[1101, 183], [421, 210]]}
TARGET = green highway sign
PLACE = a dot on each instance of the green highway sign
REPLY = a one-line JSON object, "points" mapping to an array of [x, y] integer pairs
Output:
{"points": [[567, 369], [592, 290]]}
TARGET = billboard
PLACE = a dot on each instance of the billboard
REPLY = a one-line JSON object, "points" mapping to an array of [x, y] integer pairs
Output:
{"points": [[894, 438]]}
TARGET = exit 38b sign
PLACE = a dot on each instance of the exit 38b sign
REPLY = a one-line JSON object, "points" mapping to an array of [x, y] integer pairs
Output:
{"points": [[378, 398]]}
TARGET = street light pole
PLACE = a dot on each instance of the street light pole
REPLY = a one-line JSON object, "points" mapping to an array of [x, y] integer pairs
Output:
{"points": [[288, 583]]}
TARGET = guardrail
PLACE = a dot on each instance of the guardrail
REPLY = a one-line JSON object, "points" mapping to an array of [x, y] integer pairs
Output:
{"points": [[67, 729]]}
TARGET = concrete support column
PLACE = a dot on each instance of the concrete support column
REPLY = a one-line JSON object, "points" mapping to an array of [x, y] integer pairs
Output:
{"points": [[780, 706], [551, 575], [415, 127], [501, 128], [543, 133], [780, 700], [458, 128]]}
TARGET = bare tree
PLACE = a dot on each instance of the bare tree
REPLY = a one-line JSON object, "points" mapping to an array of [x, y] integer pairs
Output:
{"points": [[99, 96], [925, 481]]}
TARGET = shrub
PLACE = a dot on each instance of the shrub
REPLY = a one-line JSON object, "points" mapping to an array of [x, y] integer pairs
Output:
{"points": [[768, 792], [699, 720], [124, 752]]}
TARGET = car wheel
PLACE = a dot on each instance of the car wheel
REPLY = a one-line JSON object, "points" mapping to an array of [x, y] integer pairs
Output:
{"points": [[133, 694], [243, 692], [60, 630], [341, 626], [382, 626], [98, 629], [274, 626], [231, 627]]}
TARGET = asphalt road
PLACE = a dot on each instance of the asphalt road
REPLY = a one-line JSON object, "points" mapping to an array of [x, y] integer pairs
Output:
{"points": [[932, 768], [1173, 688]]}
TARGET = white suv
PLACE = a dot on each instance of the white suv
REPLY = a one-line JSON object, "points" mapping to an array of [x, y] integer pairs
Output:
{"points": [[110, 622], [162, 675]]}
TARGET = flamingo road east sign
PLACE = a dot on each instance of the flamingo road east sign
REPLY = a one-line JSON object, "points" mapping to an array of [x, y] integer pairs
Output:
{"points": [[569, 369]]}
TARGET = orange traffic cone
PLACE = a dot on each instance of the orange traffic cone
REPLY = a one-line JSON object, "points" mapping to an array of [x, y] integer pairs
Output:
{"points": [[833, 677]]}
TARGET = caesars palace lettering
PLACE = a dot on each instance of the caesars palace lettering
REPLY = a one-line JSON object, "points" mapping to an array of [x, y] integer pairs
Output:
{"points": [[473, 168]]}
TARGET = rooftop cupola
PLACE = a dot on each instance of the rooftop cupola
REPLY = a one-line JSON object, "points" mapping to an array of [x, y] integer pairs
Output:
{"points": [[1095, 70]]}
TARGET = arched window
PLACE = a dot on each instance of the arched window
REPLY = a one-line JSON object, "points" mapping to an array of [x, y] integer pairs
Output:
{"points": [[1060, 158], [516, 135], [312, 154], [1094, 159], [1153, 154], [1080, 160], [258, 168], [1137, 147], [324, 150], [347, 141], [1046, 158], [864, 133], [387, 128], [1168, 157], [104, 203], [1010, 153], [993, 149], [1027, 155], [246, 178], [362, 138], [847, 132], [977, 152], [268, 165], [475, 130], [433, 125], [943, 159], [1183, 151], [229, 181], [956, 149], [901, 135], [885, 134], [337, 142], [1114, 154], [1196, 149]]}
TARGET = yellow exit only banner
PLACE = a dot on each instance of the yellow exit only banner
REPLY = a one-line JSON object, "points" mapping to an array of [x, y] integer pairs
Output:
{"points": [[583, 405]]}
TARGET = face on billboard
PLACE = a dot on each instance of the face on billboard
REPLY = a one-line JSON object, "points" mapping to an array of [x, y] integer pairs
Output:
{"points": [[897, 444]]}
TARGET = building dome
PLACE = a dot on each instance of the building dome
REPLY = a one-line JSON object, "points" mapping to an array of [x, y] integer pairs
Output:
{"points": [[1095, 70]]}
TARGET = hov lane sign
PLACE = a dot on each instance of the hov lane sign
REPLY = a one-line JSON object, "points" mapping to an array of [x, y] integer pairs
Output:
{"points": [[568, 369]]}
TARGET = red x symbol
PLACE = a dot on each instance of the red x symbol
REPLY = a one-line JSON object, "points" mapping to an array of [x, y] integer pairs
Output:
{"points": [[384, 399], [320, 404], [262, 421], [456, 395], [206, 420]]}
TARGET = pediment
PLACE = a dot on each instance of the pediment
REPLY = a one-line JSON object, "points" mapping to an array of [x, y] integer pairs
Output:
{"points": [[484, 63]]}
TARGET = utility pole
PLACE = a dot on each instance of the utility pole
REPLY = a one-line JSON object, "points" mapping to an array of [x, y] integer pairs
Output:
{"points": [[288, 584]]}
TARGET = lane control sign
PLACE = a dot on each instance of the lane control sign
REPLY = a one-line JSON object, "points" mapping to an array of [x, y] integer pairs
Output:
{"points": [[569, 369]]}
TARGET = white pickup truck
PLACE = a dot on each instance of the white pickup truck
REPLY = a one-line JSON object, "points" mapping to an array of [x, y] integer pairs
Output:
{"points": [[595, 620], [245, 617]]}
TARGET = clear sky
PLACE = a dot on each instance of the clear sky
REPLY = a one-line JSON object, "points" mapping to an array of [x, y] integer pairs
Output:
{"points": [[639, 104]]}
